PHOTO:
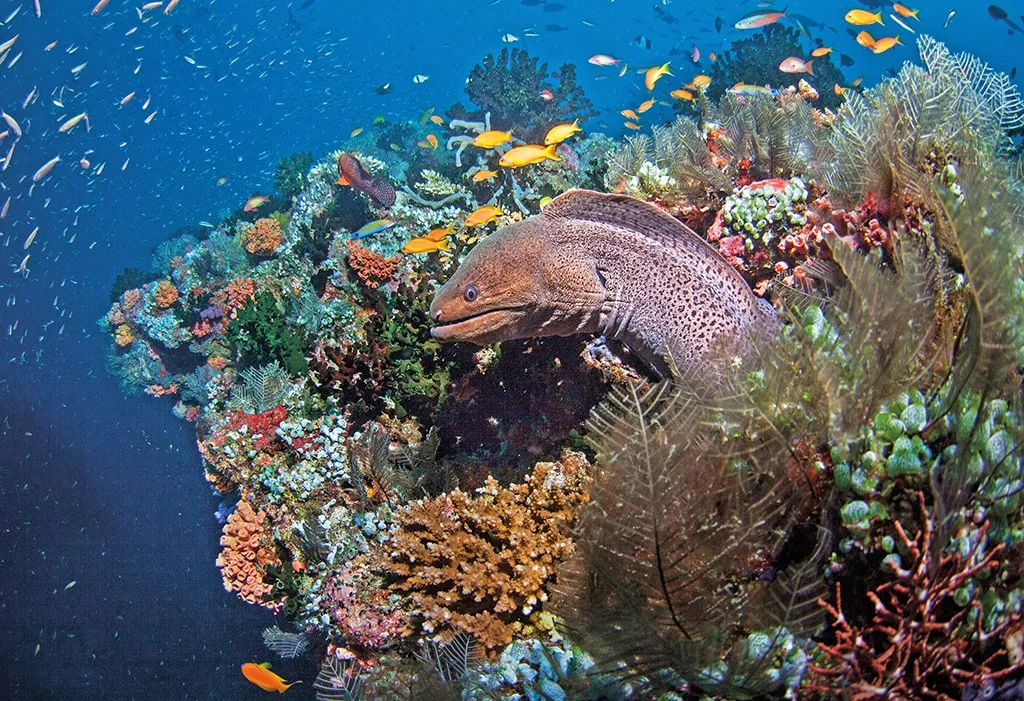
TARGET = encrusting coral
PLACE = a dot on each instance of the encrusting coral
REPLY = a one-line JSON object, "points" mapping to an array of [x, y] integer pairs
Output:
{"points": [[480, 564], [247, 551], [371, 267]]}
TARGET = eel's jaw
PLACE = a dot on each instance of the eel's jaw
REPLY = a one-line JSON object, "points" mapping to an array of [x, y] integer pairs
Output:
{"points": [[484, 328]]}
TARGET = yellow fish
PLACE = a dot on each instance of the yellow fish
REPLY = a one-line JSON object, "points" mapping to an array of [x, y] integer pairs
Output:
{"points": [[861, 17], [544, 201], [425, 245], [481, 175], [682, 95], [439, 121], [560, 133], [439, 234], [883, 44], [821, 51], [701, 81], [838, 89], [630, 114], [645, 105], [654, 74], [632, 125], [492, 139], [528, 155], [481, 216], [356, 132]]}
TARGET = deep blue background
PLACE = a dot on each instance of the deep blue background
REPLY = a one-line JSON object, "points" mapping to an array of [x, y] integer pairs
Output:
{"points": [[108, 491]]}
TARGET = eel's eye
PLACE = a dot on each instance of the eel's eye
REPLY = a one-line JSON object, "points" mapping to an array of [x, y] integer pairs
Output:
{"points": [[471, 293]]}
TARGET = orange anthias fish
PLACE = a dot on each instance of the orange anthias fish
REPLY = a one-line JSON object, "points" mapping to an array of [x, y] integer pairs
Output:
{"points": [[905, 11], [883, 44], [794, 64], [351, 172], [866, 40], [261, 676], [254, 203]]}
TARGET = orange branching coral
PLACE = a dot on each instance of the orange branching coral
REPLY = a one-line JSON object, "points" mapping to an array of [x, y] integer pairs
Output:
{"points": [[371, 267], [479, 564], [217, 362], [123, 336], [129, 298], [248, 549], [234, 295], [166, 294], [161, 391], [262, 237]]}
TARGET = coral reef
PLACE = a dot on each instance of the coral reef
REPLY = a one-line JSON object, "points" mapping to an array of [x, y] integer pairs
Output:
{"points": [[839, 513], [480, 564]]}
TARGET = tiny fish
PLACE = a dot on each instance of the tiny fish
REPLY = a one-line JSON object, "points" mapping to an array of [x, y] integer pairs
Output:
{"points": [[70, 584], [482, 175], [73, 122], [12, 123], [949, 18]]}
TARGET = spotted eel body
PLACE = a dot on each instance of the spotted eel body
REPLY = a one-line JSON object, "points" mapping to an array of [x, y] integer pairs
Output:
{"points": [[604, 263]]}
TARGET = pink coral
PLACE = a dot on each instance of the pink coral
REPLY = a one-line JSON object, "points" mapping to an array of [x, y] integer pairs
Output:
{"points": [[130, 298], [248, 549]]}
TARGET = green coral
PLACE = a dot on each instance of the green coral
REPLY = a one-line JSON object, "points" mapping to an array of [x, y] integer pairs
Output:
{"points": [[260, 335], [291, 175]]}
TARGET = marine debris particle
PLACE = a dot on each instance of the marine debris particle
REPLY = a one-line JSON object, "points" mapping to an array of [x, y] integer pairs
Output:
{"points": [[611, 264]]}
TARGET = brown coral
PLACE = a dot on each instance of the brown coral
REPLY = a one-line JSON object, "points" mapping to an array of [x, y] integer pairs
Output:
{"points": [[115, 317], [262, 237], [479, 564], [166, 294], [123, 336], [248, 549], [371, 267]]}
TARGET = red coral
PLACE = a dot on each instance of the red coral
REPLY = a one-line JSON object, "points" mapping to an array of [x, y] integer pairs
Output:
{"points": [[919, 640], [361, 606], [371, 267]]}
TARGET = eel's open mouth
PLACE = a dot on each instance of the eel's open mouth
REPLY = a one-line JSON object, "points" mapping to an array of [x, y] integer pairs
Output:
{"points": [[486, 327]]}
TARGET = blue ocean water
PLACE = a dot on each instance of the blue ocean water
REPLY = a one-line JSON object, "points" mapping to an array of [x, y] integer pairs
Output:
{"points": [[108, 587]]}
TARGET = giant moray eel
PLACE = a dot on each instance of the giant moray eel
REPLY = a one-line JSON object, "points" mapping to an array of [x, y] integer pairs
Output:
{"points": [[602, 263]]}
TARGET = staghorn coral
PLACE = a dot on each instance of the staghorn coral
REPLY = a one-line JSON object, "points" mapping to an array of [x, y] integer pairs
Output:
{"points": [[480, 564], [262, 237], [247, 551], [371, 267], [165, 294]]}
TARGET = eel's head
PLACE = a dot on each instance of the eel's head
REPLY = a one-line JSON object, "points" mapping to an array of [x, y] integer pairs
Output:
{"points": [[511, 285]]}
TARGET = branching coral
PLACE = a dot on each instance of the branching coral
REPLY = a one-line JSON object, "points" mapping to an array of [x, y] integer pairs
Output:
{"points": [[248, 550], [262, 237], [510, 87], [922, 641], [480, 564]]}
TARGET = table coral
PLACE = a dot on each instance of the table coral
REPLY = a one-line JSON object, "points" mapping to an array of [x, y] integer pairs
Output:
{"points": [[248, 550], [371, 267], [480, 564], [262, 237], [166, 294]]}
